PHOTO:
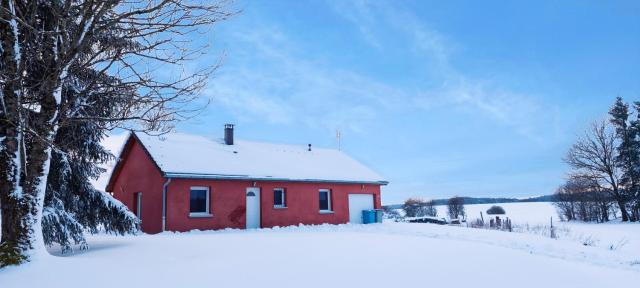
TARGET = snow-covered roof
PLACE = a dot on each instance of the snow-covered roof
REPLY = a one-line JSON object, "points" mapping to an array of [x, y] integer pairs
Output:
{"points": [[193, 156]]}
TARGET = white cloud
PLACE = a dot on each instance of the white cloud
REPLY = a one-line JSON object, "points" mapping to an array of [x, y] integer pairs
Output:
{"points": [[270, 78], [359, 13], [510, 108], [292, 87]]}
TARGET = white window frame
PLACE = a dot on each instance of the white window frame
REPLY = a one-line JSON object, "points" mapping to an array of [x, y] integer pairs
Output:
{"points": [[283, 200], [207, 212], [329, 206]]}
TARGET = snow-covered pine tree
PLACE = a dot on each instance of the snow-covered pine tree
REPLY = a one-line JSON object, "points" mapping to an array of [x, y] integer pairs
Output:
{"points": [[72, 204], [33, 62], [628, 155], [96, 49]]}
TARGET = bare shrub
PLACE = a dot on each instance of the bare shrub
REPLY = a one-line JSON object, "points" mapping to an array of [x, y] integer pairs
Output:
{"points": [[589, 241], [455, 207], [621, 243], [581, 198]]}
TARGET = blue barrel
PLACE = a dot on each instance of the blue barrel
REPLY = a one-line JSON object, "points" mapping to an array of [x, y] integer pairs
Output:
{"points": [[368, 216], [379, 214]]}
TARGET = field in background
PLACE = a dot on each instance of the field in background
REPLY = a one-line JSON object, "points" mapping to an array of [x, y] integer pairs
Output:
{"points": [[531, 212], [535, 217]]}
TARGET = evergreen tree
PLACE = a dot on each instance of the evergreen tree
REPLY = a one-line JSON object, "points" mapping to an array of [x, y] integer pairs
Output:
{"points": [[69, 72], [635, 126], [627, 157], [72, 204]]}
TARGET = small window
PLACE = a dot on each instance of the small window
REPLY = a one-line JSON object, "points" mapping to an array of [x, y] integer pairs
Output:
{"points": [[325, 200], [137, 204], [199, 201], [279, 198]]}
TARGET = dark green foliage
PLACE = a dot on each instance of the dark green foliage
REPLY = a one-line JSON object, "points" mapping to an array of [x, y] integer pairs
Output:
{"points": [[11, 255], [628, 155], [496, 210]]}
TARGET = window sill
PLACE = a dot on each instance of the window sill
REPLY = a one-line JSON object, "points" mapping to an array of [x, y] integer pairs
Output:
{"points": [[200, 215], [279, 207], [326, 212]]}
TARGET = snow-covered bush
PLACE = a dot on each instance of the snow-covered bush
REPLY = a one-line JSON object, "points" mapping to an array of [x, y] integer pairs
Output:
{"points": [[495, 210], [416, 207], [392, 214]]}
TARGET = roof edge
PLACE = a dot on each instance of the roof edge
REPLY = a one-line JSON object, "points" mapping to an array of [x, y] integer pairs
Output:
{"points": [[256, 178], [122, 157]]}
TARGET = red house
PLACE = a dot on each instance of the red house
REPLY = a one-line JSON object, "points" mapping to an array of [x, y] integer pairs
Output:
{"points": [[180, 182]]}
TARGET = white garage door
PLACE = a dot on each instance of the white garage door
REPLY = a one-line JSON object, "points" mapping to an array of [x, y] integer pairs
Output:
{"points": [[357, 203]]}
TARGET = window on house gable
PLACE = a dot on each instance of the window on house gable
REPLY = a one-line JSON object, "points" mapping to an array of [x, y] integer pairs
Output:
{"points": [[279, 198], [137, 204], [199, 201], [325, 200]]}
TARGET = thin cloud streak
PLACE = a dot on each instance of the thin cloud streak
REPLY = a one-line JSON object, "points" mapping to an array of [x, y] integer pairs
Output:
{"points": [[299, 89], [510, 108]]}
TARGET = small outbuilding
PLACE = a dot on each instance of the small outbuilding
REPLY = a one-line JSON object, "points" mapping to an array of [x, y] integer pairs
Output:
{"points": [[181, 182]]}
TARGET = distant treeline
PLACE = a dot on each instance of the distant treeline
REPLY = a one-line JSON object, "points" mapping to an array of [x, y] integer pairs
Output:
{"points": [[486, 200]]}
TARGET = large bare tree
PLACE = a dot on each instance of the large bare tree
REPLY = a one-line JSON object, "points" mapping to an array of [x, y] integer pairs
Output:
{"points": [[61, 59], [455, 207], [593, 157]]}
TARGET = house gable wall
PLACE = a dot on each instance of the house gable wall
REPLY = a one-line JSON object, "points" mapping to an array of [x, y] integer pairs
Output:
{"points": [[138, 173]]}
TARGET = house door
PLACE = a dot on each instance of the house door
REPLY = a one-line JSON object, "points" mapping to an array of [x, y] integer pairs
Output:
{"points": [[357, 203], [253, 208]]}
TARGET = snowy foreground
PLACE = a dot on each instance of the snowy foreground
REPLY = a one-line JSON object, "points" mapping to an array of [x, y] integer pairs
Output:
{"points": [[378, 255]]}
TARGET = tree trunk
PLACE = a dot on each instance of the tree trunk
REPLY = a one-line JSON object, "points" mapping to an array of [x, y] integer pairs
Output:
{"points": [[620, 200], [14, 208], [22, 238], [623, 210]]}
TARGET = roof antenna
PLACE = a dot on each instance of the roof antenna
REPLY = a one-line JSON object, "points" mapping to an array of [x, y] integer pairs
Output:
{"points": [[309, 147], [339, 137]]}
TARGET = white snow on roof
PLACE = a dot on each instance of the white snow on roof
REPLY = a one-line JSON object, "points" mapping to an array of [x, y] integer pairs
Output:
{"points": [[188, 155]]}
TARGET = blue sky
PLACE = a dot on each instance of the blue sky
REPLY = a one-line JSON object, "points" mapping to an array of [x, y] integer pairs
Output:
{"points": [[473, 98]]}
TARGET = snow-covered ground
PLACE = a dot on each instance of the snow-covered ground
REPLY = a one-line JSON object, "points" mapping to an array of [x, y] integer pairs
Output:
{"points": [[537, 217], [378, 255]]}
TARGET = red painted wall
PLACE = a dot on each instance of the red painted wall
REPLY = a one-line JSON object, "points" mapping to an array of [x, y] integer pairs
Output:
{"points": [[302, 201], [138, 173], [227, 202]]}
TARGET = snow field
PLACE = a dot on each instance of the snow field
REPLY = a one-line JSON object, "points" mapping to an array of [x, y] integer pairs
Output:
{"points": [[535, 218], [378, 255]]}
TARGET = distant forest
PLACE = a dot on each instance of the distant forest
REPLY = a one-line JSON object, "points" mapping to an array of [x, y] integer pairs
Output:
{"points": [[486, 200]]}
